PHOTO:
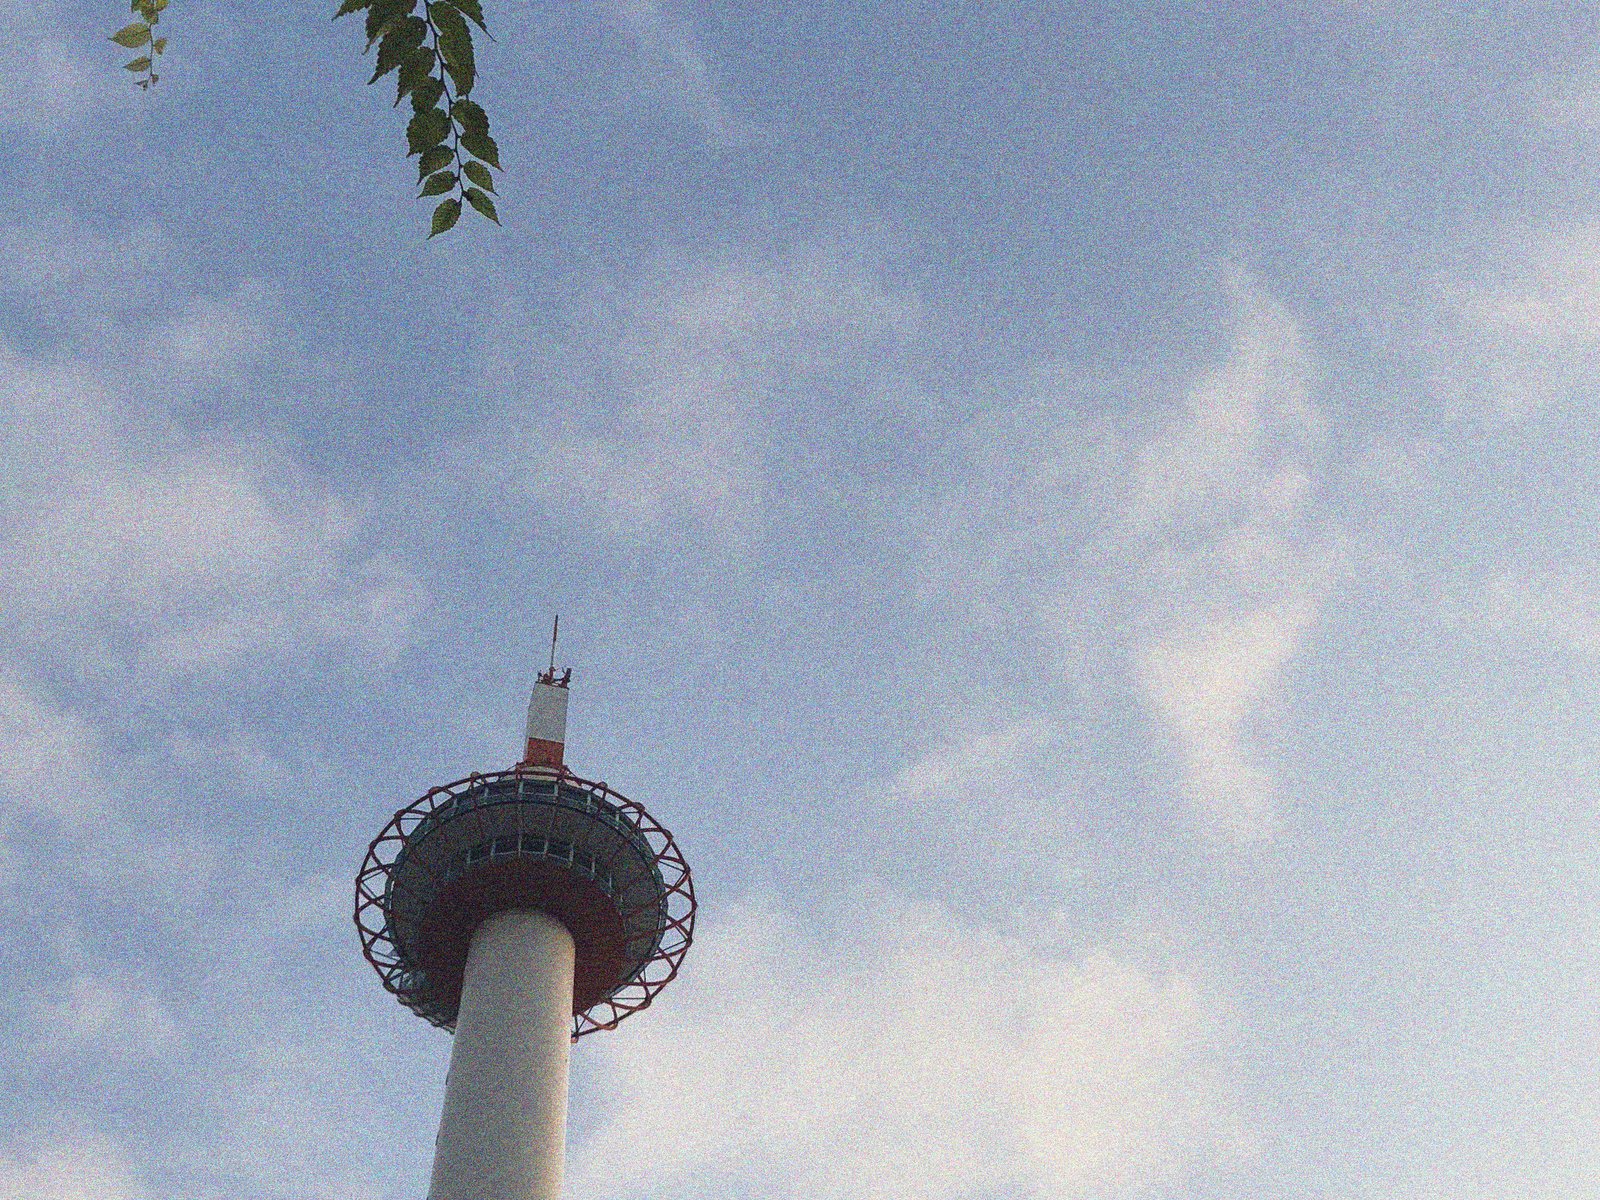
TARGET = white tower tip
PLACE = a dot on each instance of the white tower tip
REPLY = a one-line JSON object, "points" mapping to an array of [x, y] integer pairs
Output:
{"points": [[547, 721]]}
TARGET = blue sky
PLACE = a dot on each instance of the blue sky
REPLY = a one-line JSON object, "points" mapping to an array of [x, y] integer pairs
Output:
{"points": [[1080, 518]]}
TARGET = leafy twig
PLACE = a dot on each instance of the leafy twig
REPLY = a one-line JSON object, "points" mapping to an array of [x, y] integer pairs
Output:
{"points": [[448, 132], [141, 36]]}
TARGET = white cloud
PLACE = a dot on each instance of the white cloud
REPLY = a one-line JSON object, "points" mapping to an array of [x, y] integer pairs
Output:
{"points": [[1014, 528], [982, 798], [1191, 556], [949, 771], [1524, 328], [923, 1059], [1563, 99], [1206, 686], [290, 1120], [1557, 603], [289, 1111], [132, 531], [81, 273], [85, 1169], [43, 749], [675, 63], [116, 1018], [203, 549], [1233, 566], [46, 83], [699, 364], [141, 552], [63, 807], [212, 337], [49, 758]]}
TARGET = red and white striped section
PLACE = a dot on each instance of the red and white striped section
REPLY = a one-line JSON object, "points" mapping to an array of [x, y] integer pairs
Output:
{"points": [[547, 722]]}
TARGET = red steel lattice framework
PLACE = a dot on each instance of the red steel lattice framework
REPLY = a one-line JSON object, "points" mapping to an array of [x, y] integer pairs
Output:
{"points": [[667, 914]]}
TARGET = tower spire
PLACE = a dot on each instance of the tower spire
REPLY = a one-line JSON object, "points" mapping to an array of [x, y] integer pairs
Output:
{"points": [[522, 909], [547, 713]]}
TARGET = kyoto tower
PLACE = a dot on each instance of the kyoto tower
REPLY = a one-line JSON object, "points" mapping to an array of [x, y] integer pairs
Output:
{"points": [[522, 909]]}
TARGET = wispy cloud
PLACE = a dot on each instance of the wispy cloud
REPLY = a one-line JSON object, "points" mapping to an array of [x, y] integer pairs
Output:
{"points": [[1192, 556], [205, 549], [44, 748], [1554, 603], [1523, 323], [47, 84], [186, 547], [675, 63], [923, 1058], [701, 366], [1233, 563], [115, 1018], [81, 1169]]}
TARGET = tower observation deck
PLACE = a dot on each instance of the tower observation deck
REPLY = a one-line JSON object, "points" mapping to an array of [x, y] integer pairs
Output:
{"points": [[521, 909]]}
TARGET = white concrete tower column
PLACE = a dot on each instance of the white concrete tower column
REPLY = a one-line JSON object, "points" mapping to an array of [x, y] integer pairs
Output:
{"points": [[503, 1132]]}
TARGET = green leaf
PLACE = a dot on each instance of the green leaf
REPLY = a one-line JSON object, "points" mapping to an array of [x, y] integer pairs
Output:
{"points": [[474, 11], [439, 184], [470, 117], [445, 217], [479, 174], [434, 160], [132, 36], [481, 145], [427, 129], [463, 75], [382, 14], [379, 14], [159, 45], [483, 204], [404, 36], [414, 72], [455, 39], [350, 6], [455, 45], [142, 63], [427, 94]]}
